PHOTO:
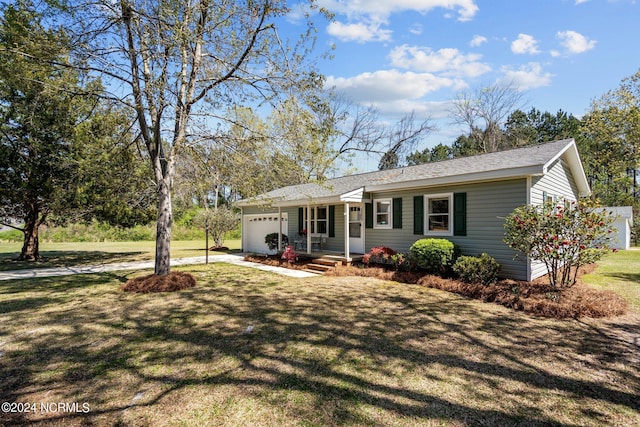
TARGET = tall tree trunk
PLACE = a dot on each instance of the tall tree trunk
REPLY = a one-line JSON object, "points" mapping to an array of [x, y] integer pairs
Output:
{"points": [[163, 230], [31, 245]]}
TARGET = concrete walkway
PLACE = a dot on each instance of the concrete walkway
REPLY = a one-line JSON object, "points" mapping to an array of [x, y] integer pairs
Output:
{"points": [[237, 259]]}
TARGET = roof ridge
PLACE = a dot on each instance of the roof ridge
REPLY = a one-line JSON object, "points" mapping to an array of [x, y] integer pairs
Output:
{"points": [[536, 145]]}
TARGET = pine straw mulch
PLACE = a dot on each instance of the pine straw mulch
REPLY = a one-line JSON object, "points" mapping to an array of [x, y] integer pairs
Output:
{"points": [[537, 298], [174, 281], [276, 261]]}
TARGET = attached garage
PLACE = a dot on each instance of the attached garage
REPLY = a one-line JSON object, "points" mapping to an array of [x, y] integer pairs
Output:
{"points": [[256, 227]]}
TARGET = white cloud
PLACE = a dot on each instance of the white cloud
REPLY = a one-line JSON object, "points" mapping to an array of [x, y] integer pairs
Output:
{"points": [[525, 44], [358, 32], [390, 85], [397, 109], [478, 41], [416, 29], [575, 42], [580, 2], [526, 76], [448, 61], [382, 9]]}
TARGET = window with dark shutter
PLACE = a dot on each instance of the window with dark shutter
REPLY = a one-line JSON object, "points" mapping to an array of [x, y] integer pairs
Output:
{"points": [[459, 214], [301, 224], [397, 212], [418, 215], [332, 221], [368, 215]]}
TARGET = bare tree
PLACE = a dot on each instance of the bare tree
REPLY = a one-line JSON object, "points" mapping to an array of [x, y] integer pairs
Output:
{"points": [[178, 64], [484, 111], [329, 127], [402, 138]]}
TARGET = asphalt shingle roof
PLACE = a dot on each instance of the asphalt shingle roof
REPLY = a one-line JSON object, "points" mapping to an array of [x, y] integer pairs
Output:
{"points": [[519, 158]]}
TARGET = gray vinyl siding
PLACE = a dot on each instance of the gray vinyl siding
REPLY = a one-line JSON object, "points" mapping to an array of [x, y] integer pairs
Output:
{"points": [[558, 183], [487, 206], [336, 243]]}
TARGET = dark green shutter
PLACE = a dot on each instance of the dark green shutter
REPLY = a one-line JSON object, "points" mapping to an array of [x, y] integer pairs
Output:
{"points": [[300, 219], [397, 212], [459, 214], [332, 221], [418, 215], [368, 215]]}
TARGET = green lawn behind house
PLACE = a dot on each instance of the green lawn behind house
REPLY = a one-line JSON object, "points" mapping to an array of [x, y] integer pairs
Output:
{"points": [[247, 347], [619, 272]]}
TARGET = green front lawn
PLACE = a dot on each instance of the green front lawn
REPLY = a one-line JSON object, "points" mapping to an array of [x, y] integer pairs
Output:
{"points": [[247, 347], [86, 253]]}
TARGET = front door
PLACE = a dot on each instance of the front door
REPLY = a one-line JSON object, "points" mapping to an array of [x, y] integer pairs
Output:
{"points": [[356, 229]]}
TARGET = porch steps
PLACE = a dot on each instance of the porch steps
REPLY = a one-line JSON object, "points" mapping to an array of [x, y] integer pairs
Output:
{"points": [[326, 263]]}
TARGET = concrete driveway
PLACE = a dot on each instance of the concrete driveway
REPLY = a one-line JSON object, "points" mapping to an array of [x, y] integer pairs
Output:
{"points": [[237, 259]]}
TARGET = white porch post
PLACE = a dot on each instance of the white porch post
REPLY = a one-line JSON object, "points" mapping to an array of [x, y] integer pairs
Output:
{"points": [[308, 228], [346, 231], [279, 228]]}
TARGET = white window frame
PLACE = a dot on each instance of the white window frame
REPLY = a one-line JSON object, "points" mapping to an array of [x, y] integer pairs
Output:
{"points": [[428, 197], [389, 223], [315, 220]]}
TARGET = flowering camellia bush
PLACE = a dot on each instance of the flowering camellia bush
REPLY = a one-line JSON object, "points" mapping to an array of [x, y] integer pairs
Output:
{"points": [[379, 255], [290, 255], [564, 236]]}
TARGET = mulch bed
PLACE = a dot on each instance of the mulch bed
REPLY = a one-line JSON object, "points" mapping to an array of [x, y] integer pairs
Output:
{"points": [[537, 297], [174, 281], [277, 261]]}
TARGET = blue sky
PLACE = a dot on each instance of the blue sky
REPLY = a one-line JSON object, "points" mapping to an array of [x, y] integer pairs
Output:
{"points": [[415, 55]]}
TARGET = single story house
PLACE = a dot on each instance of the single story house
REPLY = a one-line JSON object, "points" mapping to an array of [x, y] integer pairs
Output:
{"points": [[464, 200], [621, 226]]}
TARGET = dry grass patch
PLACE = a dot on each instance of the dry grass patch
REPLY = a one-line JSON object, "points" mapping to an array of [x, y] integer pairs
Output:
{"points": [[247, 347]]}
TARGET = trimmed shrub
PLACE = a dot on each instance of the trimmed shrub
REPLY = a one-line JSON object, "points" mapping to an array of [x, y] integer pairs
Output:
{"points": [[482, 269], [271, 240], [434, 255]]}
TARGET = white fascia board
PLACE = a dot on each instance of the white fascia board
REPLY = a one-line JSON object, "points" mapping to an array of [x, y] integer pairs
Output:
{"points": [[499, 175], [259, 202], [354, 196], [572, 157], [329, 200]]}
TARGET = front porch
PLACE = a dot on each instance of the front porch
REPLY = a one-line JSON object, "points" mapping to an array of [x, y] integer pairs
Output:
{"points": [[334, 229]]}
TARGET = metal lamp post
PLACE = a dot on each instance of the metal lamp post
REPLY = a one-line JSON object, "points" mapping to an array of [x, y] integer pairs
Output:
{"points": [[206, 238]]}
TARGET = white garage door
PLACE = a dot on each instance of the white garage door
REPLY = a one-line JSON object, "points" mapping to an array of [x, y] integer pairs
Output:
{"points": [[256, 227]]}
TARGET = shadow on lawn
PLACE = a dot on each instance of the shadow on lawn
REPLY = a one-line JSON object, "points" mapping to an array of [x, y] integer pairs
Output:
{"points": [[52, 259], [345, 345], [629, 277]]}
